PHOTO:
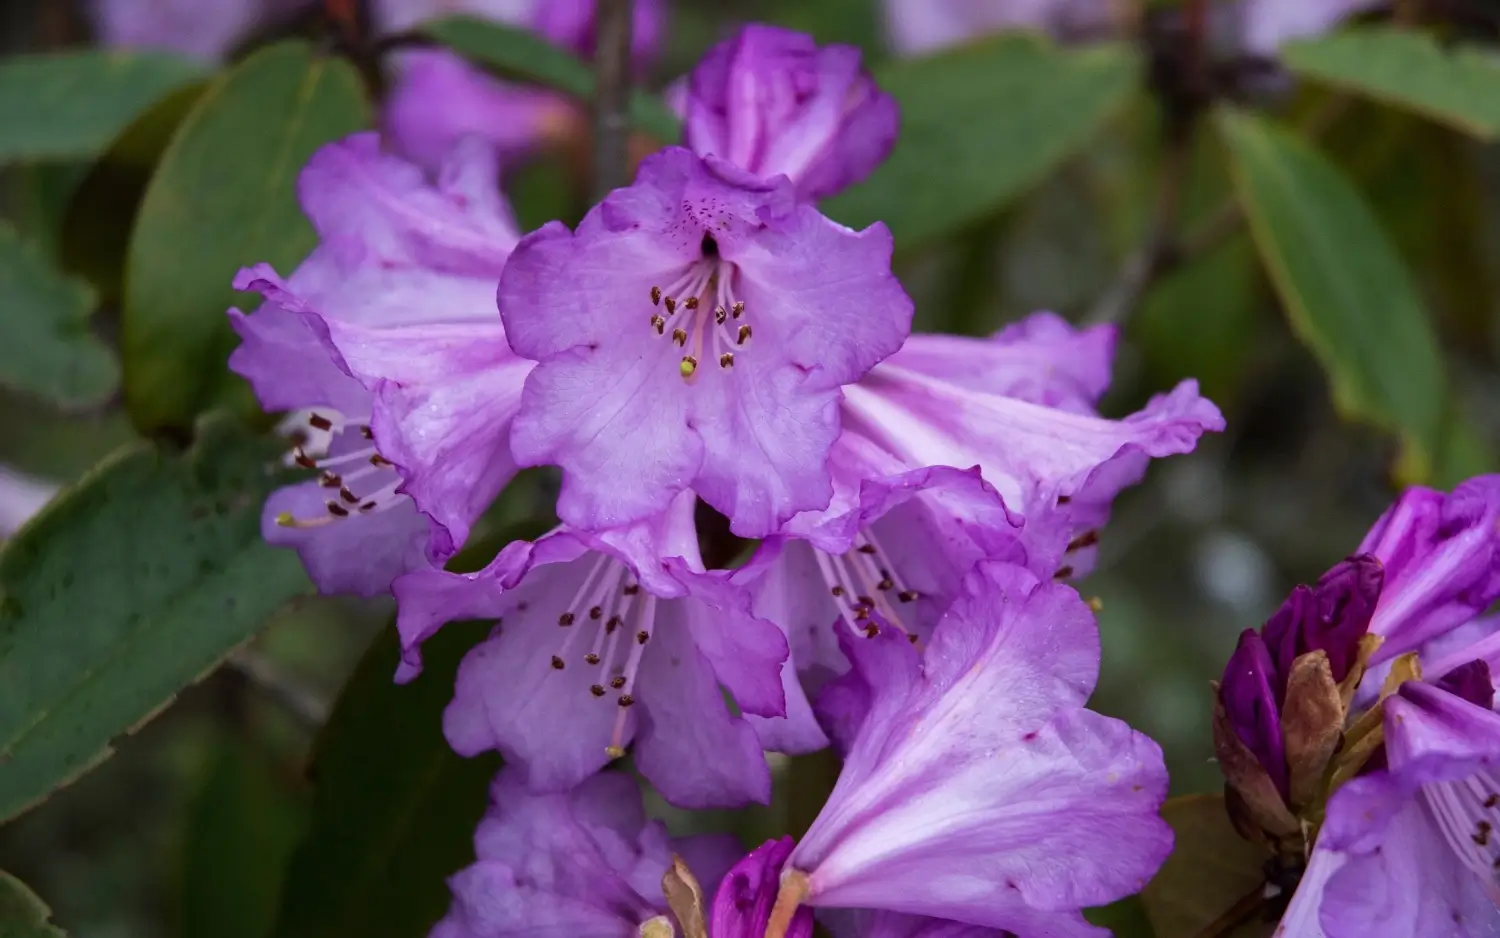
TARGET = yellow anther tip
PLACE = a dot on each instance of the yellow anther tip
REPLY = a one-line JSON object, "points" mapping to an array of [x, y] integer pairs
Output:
{"points": [[286, 520], [687, 367], [614, 752]]}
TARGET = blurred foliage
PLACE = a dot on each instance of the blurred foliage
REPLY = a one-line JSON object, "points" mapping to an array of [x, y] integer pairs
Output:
{"points": [[1338, 239]]}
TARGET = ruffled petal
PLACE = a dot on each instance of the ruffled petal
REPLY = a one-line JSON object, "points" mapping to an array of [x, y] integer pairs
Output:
{"points": [[361, 554], [747, 653], [281, 356]]}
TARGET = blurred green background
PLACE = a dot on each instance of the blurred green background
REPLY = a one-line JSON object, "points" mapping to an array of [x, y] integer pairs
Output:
{"points": [[187, 829]]}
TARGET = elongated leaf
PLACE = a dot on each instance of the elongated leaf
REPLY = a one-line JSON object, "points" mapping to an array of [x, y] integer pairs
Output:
{"points": [[979, 125], [242, 827], [125, 589], [1210, 870], [22, 914], [1407, 69], [527, 57], [395, 808], [46, 346], [1347, 292], [72, 104], [224, 197]]}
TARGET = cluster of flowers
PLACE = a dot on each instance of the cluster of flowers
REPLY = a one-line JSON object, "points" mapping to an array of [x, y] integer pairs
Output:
{"points": [[920, 503]]}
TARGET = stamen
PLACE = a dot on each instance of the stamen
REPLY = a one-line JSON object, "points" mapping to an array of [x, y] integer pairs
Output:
{"points": [[726, 360], [679, 336], [320, 422], [688, 367], [739, 310], [691, 302], [743, 336], [671, 304], [656, 296]]}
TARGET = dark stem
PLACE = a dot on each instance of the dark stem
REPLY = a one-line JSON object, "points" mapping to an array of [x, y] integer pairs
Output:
{"points": [[1236, 915], [612, 24]]}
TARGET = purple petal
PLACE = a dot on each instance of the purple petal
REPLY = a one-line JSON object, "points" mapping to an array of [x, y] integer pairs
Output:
{"points": [[1249, 697], [864, 924], [360, 554], [203, 29], [746, 652], [742, 905], [1269, 23], [281, 356]]}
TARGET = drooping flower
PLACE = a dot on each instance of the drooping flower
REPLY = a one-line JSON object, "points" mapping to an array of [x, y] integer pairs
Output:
{"points": [[770, 101], [977, 787], [438, 97], [583, 864], [955, 450], [352, 344], [604, 638], [916, 27], [694, 333]]}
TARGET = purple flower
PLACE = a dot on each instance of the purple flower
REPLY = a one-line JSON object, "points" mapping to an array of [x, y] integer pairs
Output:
{"points": [[603, 638], [1331, 617], [353, 341], [582, 864], [1411, 848], [1442, 558], [1253, 706], [921, 26], [770, 101], [742, 905], [203, 29], [977, 787], [694, 333], [438, 97]]}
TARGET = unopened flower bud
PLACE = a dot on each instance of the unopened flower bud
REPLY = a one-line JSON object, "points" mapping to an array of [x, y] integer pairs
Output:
{"points": [[1312, 721], [1248, 698]]}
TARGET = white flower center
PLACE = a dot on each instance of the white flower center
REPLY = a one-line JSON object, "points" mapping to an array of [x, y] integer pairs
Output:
{"points": [[701, 313], [360, 482]]}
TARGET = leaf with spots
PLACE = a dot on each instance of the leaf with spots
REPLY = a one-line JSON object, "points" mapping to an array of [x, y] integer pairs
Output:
{"points": [[224, 197], [129, 586]]}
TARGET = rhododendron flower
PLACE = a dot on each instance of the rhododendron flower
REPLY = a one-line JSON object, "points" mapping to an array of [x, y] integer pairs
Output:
{"points": [[583, 864], [438, 98], [604, 638], [694, 333], [351, 342], [976, 786], [771, 101]]}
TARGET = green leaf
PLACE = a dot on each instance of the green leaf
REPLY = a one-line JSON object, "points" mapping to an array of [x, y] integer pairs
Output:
{"points": [[125, 589], [395, 808], [1347, 292], [981, 124], [521, 54], [1125, 919], [1459, 87], [224, 197], [47, 348], [22, 914], [242, 826], [72, 104], [1210, 870]]}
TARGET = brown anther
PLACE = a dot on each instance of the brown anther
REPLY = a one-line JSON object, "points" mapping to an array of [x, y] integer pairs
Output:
{"points": [[886, 583], [330, 479], [1491, 801], [1064, 499], [671, 304], [680, 337], [726, 360], [366, 432], [302, 459], [631, 589], [659, 324], [591, 658], [337, 510], [617, 682], [1086, 539], [872, 630], [1481, 835], [557, 663], [1063, 572], [565, 619], [380, 461], [320, 422], [596, 612], [720, 314], [737, 310], [837, 591], [613, 623], [597, 690], [907, 596], [912, 637], [642, 637], [348, 496], [743, 336], [626, 700], [862, 613], [656, 296], [369, 505], [866, 548], [691, 302], [866, 601], [297, 437]]}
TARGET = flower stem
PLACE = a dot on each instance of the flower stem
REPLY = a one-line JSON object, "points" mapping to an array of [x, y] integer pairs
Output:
{"points": [[612, 25], [1236, 915]]}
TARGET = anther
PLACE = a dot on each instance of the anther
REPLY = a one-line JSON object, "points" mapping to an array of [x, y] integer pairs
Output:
{"points": [[631, 589], [1491, 801], [613, 623], [743, 336], [688, 366], [1086, 539], [337, 510], [1063, 572], [380, 461], [726, 360], [656, 296], [626, 700], [680, 337], [912, 637], [369, 506], [366, 432], [592, 658], [907, 596], [302, 459], [617, 682], [320, 422], [565, 619], [867, 601], [596, 612], [659, 324], [885, 583], [330, 479], [837, 591], [614, 752], [597, 690], [671, 305], [872, 630], [738, 310], [557, 663], [866, 548], [720, 315], [348, 496], [691, 302], [642, 637]]}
